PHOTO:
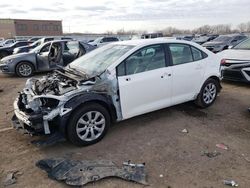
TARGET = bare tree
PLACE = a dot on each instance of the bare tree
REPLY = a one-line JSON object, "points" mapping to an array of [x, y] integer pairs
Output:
{"points": [[242, 27]]}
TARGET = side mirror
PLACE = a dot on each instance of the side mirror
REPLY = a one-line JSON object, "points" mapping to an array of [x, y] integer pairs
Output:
{"points": [[101, 41], [230, 47]]}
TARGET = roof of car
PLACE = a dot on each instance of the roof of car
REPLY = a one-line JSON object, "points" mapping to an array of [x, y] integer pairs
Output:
{"points": [[142, 42]]}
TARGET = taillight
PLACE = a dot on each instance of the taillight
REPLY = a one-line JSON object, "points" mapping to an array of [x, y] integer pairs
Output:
{"points": [[223, 62]]}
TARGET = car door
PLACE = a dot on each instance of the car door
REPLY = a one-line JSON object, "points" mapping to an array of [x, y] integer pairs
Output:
{"points": [[188, 71], [56, 55], [144, 81], [42, 58], [70, 51]]}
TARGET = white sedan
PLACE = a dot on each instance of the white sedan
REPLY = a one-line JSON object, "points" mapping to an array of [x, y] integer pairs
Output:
{"points": [[116, 82]]}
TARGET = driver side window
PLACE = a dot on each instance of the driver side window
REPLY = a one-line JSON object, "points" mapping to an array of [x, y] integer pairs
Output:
{"points": [[146, 59], [45, 48]]}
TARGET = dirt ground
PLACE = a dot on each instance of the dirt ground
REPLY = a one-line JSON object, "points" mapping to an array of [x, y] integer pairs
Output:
{"points": [[173, 159]]}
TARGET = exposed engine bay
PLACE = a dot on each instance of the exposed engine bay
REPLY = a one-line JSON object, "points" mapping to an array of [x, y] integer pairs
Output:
{"points": [[54, 84], [44, 100]]}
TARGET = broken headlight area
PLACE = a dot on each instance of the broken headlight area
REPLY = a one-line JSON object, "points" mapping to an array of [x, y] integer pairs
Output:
{"points": [[36, 115]]}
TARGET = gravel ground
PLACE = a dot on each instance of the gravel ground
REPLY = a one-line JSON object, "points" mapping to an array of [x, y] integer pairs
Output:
{"points": [[173, 159]]}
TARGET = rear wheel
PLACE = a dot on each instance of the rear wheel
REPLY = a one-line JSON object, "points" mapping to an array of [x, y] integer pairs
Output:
{"points": [[24, 69], [208, 93], [88, 124]]}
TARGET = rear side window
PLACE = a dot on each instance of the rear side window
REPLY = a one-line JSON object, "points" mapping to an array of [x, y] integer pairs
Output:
{"points": [[197, 54], [71, 47], [181, 53]]}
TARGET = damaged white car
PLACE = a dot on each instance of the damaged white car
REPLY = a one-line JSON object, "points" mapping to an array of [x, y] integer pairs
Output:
{"points": [[116, 82]]}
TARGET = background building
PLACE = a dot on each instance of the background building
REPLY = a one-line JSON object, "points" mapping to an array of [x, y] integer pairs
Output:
{"points": [[10, 28]]}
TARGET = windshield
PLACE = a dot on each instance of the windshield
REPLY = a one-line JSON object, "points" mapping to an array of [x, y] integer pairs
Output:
{"points": [[97, 40], [97, 61], [222, 39], [245, 45], [36, 43], [39, 47]]}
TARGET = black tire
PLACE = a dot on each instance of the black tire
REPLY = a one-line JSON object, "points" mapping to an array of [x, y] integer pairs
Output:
{"points": [[3, 54], [29, 72], [72, 134], [200, 101]]}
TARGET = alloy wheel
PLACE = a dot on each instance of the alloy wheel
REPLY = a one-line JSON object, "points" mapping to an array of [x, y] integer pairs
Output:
{"points": [[25, 70], [90, 126], [209, 93]]}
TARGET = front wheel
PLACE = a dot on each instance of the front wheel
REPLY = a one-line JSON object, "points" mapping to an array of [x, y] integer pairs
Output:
{"points": [[88, 124], [208, 93], [24, 69]]}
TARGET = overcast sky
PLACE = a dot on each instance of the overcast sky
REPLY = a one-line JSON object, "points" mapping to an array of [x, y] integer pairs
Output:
{"points": [[104, 15]]}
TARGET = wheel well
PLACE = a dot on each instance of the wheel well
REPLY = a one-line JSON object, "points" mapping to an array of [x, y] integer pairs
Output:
{"points": [[216, 79], [24, 62], [111, 109]]}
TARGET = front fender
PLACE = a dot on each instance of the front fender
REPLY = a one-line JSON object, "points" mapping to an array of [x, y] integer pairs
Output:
{"points": [[79, 100]]}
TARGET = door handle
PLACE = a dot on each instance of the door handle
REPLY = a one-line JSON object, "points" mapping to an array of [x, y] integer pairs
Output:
{"points": [[166, 74]]}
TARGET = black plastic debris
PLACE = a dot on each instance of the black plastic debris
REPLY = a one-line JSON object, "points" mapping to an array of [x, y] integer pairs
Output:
{"points": [[210, 154], [78, 173], [1, 90], [49, 141]]}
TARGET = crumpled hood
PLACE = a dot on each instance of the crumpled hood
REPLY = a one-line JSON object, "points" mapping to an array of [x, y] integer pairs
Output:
{"points": [[235, 54], [213, 43], [25, 54]]}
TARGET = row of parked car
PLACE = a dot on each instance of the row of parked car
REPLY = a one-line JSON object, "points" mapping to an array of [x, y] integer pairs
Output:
{"points": [[46, 54], [216, 43], [23, 58]]}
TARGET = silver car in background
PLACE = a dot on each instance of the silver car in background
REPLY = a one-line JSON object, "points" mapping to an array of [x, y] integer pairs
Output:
{"points": [[48, 56]]}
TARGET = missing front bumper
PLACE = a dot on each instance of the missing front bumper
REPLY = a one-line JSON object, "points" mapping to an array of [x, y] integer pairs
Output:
{"points": [[30, 123]]}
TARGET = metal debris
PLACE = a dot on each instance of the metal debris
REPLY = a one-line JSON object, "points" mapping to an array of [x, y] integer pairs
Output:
{"points": [[184, 131], [231, 183], [11, 178], [222, 146], [78, 173], [211, 154]]}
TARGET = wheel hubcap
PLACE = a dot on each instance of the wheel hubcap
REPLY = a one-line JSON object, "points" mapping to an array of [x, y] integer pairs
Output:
{"points": [[209, 93], [25, 70], [90, 126]]}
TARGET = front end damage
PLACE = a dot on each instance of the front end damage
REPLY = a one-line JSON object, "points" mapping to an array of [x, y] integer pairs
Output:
{"points": [[43, 105]]}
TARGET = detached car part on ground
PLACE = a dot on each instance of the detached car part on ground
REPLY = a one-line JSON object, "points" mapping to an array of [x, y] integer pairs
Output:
{"points": [[46, 57], [79, 173], [116, 82], [235, 62]]}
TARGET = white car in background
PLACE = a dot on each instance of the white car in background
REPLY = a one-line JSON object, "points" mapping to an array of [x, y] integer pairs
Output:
{"points": [[7, 42], [235, 62], [101, 41], [116, 82]]}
